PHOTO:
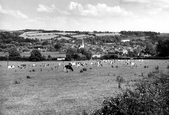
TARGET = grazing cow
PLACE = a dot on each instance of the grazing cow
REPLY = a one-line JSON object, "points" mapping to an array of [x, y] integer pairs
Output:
{"points": [[132, 65], [9, 67], [22, 66], [68, 67]]}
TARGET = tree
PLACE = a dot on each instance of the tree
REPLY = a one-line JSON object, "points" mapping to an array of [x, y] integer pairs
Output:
{"points": [[78, 54], [163, 48], [35, 55], [150, 48], [85, 52], [71, 54], [13, 53], [58, 46]]}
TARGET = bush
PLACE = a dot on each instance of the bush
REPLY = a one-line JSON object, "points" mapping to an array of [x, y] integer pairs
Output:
{"points": [[150, 97], [162, 48]]}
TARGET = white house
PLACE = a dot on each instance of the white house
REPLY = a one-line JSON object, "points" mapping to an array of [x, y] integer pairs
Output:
{"points": [[96, 56], [126, 40]]}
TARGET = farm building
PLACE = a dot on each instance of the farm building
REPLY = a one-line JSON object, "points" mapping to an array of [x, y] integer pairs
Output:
{"points": [[61, 58], [96, 56], [126, 40]]}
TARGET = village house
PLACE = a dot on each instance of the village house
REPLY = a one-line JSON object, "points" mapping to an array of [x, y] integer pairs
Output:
{"points": [[126, 40]]}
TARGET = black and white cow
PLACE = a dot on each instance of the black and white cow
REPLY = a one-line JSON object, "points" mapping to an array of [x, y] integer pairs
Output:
{"points": [[68, 67]]}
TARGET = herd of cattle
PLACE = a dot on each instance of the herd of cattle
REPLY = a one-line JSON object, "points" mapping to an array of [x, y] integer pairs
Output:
{"points": [[69, 66]]}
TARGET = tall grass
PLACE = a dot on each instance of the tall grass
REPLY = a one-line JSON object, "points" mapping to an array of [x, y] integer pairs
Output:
{"points": [[119, 80]]}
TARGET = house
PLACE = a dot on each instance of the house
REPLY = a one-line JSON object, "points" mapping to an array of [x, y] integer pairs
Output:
{"points": [[96, 56], [61, 58], [126, 40], [147, 55]]}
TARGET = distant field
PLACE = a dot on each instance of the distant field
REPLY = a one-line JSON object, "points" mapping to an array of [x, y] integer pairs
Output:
{"points": [[65, 33], [107, 34], [51, 91], [39, 35], [3, 54]]}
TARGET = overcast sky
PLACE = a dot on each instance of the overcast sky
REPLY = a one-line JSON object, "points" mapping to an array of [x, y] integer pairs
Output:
{"points": [[86, 15]]}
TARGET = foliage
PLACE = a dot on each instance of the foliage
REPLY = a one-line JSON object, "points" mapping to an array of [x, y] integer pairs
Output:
{"points": [[58, 46], [71, 53], [99, 40], [35, 55], [139, 33], [7, 37], [163, 48], [85, 52], [78, 54], [13, 53], [150, 48], [150, 97], [110, 56]]}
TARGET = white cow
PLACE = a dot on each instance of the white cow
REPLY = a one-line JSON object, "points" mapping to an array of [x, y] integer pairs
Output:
{"points": [[133, 64], [33, 65], [11, 67]]}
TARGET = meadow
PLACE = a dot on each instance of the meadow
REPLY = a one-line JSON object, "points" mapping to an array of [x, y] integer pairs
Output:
{"points": [[61, 35], [40, 35], [48, 90]]}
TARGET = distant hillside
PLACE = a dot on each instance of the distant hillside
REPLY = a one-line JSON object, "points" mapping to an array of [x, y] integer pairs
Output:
{"points": [[28, 34]]}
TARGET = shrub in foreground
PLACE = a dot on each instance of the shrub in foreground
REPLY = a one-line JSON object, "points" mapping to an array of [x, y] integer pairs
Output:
{"points": [[150, 97]]}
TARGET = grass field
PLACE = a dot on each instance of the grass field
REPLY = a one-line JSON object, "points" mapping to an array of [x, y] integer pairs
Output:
{"points": [[39, 35], [51, 91], [107, 34]]}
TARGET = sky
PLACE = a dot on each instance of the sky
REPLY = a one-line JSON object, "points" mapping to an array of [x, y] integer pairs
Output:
{"points": [[85, 15]]}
